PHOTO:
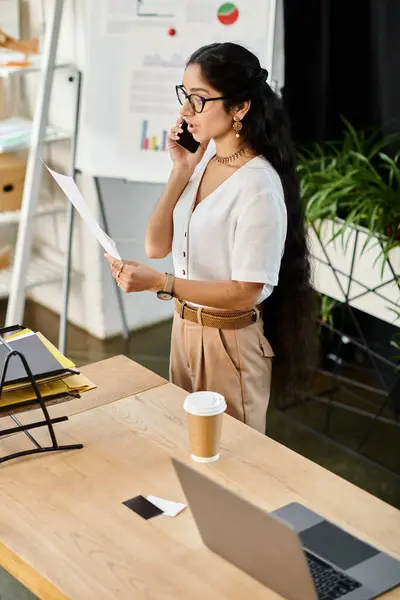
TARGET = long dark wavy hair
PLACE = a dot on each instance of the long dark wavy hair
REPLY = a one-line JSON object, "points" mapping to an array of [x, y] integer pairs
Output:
{"points": [[289, 313]]}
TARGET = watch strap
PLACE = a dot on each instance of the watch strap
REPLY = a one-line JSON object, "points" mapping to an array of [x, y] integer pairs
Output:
{"points": [[169, 284]]}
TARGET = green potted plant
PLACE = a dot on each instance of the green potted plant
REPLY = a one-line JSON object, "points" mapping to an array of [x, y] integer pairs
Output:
{"points": [[351, 192]]}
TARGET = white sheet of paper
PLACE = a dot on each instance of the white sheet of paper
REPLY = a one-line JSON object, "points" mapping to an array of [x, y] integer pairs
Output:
{"points": [[171, 509], [71, 190]]}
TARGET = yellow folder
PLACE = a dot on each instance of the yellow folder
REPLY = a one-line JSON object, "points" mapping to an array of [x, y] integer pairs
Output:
{"points": [[73, 383]]}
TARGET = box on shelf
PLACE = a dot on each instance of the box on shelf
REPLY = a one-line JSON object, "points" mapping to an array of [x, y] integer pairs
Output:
{"points": [[12, 176], [5, 257], [4, 108]]}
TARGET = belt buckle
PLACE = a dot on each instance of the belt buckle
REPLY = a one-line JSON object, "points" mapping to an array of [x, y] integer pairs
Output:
{"points": [[182, 309], [254, 316]]}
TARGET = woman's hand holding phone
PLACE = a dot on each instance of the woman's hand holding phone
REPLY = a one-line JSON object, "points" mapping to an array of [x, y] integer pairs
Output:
{"points": [[182, 158]]}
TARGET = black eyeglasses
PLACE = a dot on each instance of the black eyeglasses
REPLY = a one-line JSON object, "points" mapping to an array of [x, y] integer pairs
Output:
{"points": [[196, 102]]}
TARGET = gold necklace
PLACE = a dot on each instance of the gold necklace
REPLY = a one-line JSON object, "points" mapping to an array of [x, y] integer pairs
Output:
{"points": [[227, 159]]}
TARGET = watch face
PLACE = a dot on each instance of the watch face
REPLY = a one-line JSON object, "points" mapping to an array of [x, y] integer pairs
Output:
{"points": [[164, 296]]}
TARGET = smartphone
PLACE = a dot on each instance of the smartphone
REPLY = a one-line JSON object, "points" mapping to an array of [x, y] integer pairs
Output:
{"points": [[186, 140]]}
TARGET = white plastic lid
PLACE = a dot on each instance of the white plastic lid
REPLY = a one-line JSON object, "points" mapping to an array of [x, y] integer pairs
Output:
{"points": [[204, 404]]}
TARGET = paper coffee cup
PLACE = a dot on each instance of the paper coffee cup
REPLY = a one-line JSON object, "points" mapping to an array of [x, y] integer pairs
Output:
{"points": [[205, 411]]}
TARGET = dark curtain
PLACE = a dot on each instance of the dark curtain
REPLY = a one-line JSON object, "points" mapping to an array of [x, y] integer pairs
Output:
{"points": [[342, 57]]}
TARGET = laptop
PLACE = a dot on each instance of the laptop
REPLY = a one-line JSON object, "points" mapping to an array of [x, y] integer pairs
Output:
{"points": [[293, 551]]}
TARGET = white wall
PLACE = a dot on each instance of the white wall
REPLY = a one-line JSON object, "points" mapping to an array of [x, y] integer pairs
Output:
{"points": [[93, 304]]}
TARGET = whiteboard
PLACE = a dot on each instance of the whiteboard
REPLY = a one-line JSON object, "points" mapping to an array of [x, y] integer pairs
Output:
{"points": [[132, 65]]}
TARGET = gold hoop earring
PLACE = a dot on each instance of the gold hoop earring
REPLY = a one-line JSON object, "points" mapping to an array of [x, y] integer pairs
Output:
{"points": [[237, 127]]}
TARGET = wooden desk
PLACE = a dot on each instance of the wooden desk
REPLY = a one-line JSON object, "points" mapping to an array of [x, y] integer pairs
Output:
{"points": [[66, 535], [115, 378]]}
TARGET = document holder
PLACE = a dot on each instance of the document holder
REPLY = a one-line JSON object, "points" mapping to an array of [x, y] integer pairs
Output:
{"points": [[37, 401]]}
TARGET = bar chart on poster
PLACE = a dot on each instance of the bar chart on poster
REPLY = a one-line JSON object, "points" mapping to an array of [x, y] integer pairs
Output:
{"points": [[153, 142], [136, 55]]}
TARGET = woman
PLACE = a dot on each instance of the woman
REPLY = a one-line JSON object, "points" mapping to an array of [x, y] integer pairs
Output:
{"points": [[236, 231]]}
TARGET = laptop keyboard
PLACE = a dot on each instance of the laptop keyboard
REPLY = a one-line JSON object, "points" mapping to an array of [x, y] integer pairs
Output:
{"points": [[329, 583]]}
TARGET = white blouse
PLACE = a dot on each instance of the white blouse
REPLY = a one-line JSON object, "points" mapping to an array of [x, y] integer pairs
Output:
{"points": [[237, 233]]}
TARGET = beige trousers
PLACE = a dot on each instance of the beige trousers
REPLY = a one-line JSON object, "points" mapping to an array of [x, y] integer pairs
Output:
{"points": [[235, 363]]}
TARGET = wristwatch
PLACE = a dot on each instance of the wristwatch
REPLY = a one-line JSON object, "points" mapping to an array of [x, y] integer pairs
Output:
{"points": [[166, 293]]}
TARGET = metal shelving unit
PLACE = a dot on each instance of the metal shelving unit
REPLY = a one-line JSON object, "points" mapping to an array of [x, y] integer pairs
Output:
{"points": [[25, 271], [9, 71], [40, 272], [22, 129], [12, 217], [29, 269]]}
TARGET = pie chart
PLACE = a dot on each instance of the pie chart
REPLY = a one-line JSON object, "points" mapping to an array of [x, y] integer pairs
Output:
{"points": [[228, 13]]}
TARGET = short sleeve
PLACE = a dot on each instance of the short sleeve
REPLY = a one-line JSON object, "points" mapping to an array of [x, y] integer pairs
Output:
{"points": [[259, 239]]}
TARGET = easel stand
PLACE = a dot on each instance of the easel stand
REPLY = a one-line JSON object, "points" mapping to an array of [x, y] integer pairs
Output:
{"points": [[38, 400]]}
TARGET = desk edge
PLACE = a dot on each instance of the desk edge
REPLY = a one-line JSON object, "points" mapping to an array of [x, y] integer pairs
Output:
{"points": [[28, 576]]}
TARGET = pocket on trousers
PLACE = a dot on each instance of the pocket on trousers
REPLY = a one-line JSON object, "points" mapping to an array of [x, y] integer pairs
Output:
{"points": [[224, 347], [266, 348]]}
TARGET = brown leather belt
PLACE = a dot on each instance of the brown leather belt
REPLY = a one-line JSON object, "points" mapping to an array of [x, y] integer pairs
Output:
{"points": [[218, 320]]}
